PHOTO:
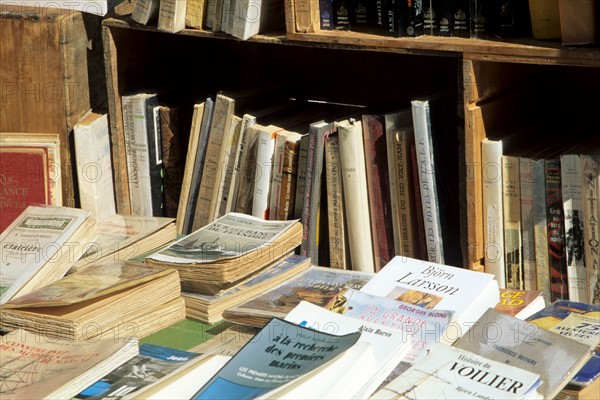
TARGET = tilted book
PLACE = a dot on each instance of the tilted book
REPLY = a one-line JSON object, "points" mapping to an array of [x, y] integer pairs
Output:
{"points": [[145, 11], [40, 246], [520, 303], [317, 285], [94, 165], [57, 369], [117, 300], [437, 287], [452, 373], [228, 250], [540, 230], [501, 337]]}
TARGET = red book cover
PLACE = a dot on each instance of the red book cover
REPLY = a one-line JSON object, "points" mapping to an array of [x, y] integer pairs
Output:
{"points": [[23, 181], [557, 262], [378, 188]]}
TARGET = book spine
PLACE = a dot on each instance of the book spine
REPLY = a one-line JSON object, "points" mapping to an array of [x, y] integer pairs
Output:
{"points": [[338, 255], [413, 20], [228, 166], [145, 11], [511, 206], [326, 14], [545, 19], [540, 231], [262, 177], [527, 225], [375, 149], [406, 195], [215, 153], [430, 18], [422, 240], [301, 179], [155, 160], [358, 15], [306, 13], [493, 232], [429, 196], [570, 176], [479, 19], [460, 18], [171, 15], [247, 121], [356, 201], [590, 182], [194, 13], [341, 15], [288, 179], [247, 170], [275, 196], [172, 158], [559, 288]]}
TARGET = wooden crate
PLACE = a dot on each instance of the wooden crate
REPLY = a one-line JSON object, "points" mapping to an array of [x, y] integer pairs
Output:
{"points": [[51, 74]]}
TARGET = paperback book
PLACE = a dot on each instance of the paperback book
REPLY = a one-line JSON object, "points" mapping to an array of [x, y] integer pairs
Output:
{"points": [[520, 303], [317, 285]]}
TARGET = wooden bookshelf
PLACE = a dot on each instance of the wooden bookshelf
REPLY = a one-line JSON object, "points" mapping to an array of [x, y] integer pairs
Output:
{"points": [[499, 85]]}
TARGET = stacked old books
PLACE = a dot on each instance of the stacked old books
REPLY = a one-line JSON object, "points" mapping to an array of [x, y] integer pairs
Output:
{"points": [[231, 258]]}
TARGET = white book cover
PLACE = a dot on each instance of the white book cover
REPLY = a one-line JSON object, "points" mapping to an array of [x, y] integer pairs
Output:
{"points": [[540, 229], [570, 171], [426, 168], [389, 345], [262, 177], [145, 11], [451, 373], [38, 236], [171, 15], [246, 19], [356, 200], [94, 165], [493, 221], [590, 174], [437, 287]]}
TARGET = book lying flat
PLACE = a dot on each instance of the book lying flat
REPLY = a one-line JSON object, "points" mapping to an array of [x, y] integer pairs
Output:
{"points": [[57, 369], [118, 299], [317, 285], [437, 287], [228, 250], [520, 303]]}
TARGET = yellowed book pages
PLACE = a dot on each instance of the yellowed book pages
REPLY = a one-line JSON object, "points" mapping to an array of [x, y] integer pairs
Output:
{"points": [[194, 14]]}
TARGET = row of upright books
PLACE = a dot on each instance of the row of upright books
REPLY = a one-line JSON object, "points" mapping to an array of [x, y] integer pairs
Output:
{"points": [[541, 213], [365, 185]]}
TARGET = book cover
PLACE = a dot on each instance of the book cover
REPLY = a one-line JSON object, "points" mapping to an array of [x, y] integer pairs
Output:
{"points": [[590, 183], [378, 188], [562, 317], [503, 338], [152, 364], [40, 246], [195, 13], [356, 200], [452, 373], [145, 11], [57, 368], [24, 180], [281, 352], [171, 15], [317, 285], [437, 287], [520, 303], [425, 328]]}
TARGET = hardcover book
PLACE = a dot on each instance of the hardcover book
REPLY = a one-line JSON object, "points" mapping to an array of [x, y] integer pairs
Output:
{"points": [[503, 338], [227, 251], [57, 369], [437, 287], [116, 300], [317, 285], [40, 246]]}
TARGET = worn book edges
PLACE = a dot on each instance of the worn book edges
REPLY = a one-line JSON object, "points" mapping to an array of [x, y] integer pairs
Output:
{"points": [[171, 15], [68, 367], [452, 373], [578, 321], [284, 168], [501, 337], [480, 19], [113, 299], [511, 211], [317, 285], [378, 188], [145, 11], [252, 17], [94, 164], [209, 308], [172, 148], [226, 178], [520, 303], [356, 200], [40, 246], [437, 287], [124, 237], [224, 252], [195, 13], [399, 140], [265, 147], [281, 352]]}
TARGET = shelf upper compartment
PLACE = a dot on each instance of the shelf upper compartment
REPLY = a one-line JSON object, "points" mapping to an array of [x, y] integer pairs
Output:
{"points": [[524, 50]]}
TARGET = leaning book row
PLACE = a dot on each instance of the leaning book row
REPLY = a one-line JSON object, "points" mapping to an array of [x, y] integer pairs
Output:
{"points": [[541, 216]]}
